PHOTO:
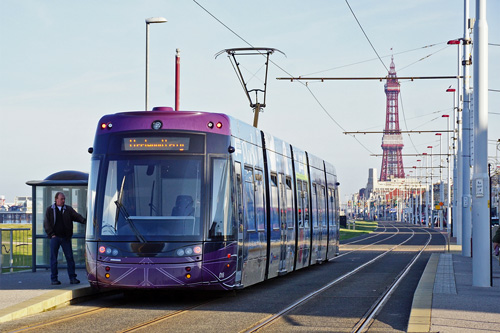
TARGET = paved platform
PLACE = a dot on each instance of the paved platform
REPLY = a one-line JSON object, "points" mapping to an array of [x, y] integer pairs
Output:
{"points": [[446, 301], [26, 293]]}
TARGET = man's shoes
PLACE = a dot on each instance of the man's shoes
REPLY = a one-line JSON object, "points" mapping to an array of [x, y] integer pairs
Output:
{"points": [[55, 282], [74, 281]]}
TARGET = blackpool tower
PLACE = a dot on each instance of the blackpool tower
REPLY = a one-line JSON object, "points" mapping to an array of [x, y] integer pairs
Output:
{"points": [[392, 140]]}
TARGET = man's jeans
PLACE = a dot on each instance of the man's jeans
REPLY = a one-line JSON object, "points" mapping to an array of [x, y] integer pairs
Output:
{"points": [[65, 243]]}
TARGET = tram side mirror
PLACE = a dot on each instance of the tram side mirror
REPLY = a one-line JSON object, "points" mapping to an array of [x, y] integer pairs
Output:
{"points": [[150, 170], [230, 149], [214, 231], [90, 150]]}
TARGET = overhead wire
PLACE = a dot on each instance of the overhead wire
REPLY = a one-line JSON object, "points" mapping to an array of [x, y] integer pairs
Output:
{"points": [[289, 74], [368, 39], [372, 59]]}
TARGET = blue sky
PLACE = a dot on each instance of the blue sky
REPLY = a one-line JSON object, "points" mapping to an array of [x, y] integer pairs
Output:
{"points": [[64, 64]]}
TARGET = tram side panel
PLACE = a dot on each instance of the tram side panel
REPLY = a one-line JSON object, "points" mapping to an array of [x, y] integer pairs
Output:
{"points": [[302, 211], [333, 211], [252, 234], [318, 208], [281, 207]]}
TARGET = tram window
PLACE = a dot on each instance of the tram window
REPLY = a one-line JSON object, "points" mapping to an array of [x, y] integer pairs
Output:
{"points": [[331, 207], [274, 179], [306, 204], [314, 206], [259, 201], [153, 197], [220, 212], [289, 203], [299, 204], [274, 201], [322, 206], [249, 199]]}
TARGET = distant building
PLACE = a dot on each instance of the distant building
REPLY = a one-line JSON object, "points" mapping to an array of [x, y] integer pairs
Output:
{"points": [[18, 212]]}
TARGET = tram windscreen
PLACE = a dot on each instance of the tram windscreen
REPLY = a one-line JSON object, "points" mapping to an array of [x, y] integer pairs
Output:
{"points": [[153, 199]]}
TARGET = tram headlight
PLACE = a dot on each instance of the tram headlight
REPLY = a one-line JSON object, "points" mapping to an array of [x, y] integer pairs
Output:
{"points": [[188, 251], [109, 251], [156, 125]]}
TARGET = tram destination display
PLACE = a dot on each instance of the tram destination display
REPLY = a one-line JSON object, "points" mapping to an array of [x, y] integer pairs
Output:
{"points": [[155, 143]]}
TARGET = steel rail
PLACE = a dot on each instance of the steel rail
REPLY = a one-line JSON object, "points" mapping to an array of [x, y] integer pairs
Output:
{"points": [[269, 320], [367, 319]]}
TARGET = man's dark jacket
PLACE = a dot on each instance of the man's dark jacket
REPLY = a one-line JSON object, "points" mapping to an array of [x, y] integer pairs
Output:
{"points": [[69, 215]]}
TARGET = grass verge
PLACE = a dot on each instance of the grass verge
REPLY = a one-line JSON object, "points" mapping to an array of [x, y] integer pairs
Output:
{"points": [[22, 247], [362, 227]]}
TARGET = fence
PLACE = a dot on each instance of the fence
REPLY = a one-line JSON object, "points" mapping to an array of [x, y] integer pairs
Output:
{"points": [[15, 249]]}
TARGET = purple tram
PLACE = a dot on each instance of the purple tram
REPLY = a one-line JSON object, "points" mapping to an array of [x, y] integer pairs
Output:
{"points": [[202, 200]]}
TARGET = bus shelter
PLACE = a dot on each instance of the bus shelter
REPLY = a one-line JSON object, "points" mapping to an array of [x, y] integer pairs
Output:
{"points": [[74, 186]]}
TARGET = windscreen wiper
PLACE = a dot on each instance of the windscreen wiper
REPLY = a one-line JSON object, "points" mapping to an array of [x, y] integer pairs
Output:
{"points": [[125, 214]]}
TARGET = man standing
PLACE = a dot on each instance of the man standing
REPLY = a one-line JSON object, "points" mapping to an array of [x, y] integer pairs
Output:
{"points": [[58, 224]]}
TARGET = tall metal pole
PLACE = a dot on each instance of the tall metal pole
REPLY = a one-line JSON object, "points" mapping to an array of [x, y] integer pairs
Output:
{"points": [[426, 192], [148, 22], [448, 196], [420, 194], [177, 78], [466, 225], [481, 268], [441, 189], [146, 107], [431, 204]]}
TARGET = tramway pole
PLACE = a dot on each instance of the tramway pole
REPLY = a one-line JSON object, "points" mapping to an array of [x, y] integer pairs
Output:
{"points": [[426, 191], [420, 219], [464, 237], [431, 204], [481, 260], [441, 187], [448, 196]]}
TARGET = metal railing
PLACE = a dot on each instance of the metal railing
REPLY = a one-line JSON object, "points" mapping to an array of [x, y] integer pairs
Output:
{"points": [[15, 250]]}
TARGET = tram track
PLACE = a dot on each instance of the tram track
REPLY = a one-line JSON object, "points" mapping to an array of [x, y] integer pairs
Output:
{"points": [[164, 321], [365, 321]]}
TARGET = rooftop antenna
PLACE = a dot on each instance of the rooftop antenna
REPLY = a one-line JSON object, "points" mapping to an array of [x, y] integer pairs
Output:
{"points": [[262, 51]]}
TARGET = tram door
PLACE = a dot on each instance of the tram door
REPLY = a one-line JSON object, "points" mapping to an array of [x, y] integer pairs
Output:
{"points": [[239, 220], [254, 236], [283, 223], [323, 227], [332, 224]]}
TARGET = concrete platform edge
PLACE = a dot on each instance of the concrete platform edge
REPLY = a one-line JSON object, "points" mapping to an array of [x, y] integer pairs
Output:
{"points": [[45, 302], [420, 315]]}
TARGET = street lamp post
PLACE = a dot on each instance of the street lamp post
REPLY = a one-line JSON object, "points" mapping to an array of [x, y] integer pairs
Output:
{"points": [[420, 194], [448, 196], [426, 191], [441, 191], [431, 206], [148, 22]]}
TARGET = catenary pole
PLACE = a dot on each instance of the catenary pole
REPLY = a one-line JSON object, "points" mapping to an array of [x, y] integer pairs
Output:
{"points": [[481, 268], [465, 161]]}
